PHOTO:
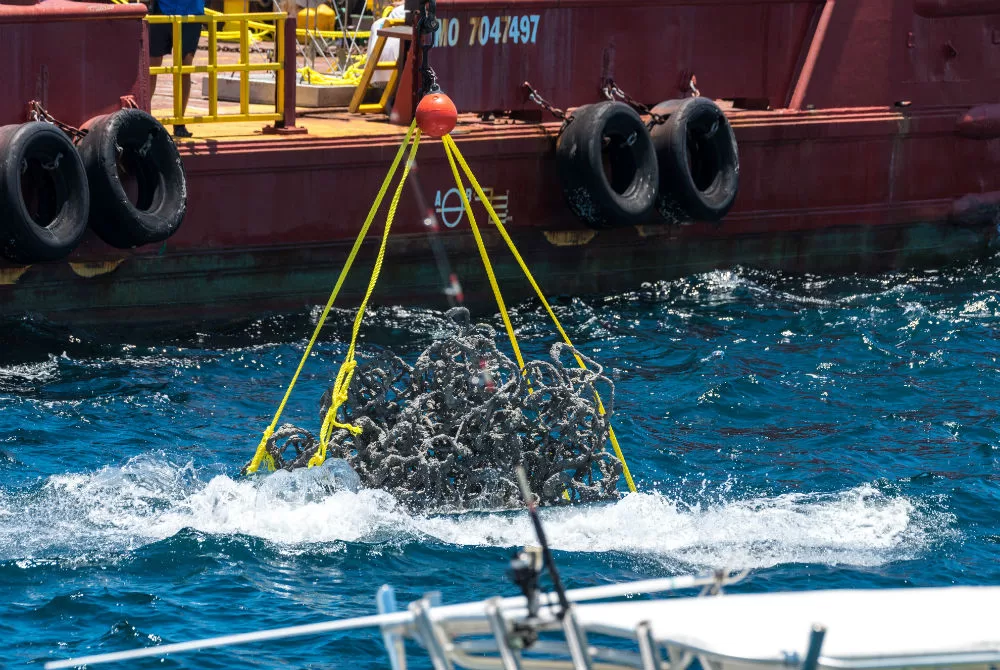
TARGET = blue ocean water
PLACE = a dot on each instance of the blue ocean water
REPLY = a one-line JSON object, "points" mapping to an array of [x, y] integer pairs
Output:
{"points": [[823, 432]]}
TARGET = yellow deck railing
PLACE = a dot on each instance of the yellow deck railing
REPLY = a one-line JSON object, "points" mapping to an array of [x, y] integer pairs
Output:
{"points": [[177, 69], [258, 30]]}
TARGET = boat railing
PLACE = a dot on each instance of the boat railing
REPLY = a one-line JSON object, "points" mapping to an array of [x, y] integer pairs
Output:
{"points": [[280, 61], [444, 631], [627, 626], [273, 40]]}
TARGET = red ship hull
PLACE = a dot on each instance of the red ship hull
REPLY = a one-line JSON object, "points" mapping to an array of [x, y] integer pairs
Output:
{"points": [[878, 150]]}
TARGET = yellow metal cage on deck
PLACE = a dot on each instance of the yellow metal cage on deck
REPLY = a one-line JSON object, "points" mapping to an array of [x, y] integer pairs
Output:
{"points": [[245, 21]]}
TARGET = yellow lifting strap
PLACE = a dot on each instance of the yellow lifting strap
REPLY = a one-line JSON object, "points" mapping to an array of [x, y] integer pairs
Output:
{"points": [[453, 154], [346, 372], [261, 456], [347, 368], [448, 150]]}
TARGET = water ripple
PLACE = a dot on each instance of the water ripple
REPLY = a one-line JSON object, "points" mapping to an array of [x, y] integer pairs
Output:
{"points": [[823, 431]]}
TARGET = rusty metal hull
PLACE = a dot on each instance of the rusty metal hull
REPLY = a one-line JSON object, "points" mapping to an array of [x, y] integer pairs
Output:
{"points": [[875, 147], [270, 220], [250, 283]]}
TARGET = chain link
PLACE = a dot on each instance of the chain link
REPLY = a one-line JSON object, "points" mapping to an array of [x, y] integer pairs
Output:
{"points": [[38, 113], [560, 114], [612, 91], [146, 146], [428, 27], [53, 165]]}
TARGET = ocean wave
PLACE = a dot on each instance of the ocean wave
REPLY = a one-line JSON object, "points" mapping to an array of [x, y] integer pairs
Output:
{"points": [[104, 514]]}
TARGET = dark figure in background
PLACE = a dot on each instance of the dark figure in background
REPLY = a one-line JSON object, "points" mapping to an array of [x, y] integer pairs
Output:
{"points": [[161, 43]]}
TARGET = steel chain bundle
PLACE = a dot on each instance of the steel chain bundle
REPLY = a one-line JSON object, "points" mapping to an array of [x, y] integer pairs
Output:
{"points": [[449, 431]]}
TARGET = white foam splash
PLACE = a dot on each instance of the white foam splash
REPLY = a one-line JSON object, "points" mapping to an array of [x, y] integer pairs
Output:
{"points": [[150, 499], [15, 378]]}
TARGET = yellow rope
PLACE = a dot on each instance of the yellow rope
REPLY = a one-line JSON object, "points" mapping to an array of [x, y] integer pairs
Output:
{"points": [[347, 368], [255, 30], [346, 372], [261, 455], [448, 148], [351, 76], [451, 149]]}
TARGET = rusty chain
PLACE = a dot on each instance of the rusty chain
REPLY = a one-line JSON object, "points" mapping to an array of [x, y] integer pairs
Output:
{"points": [[52, 165], [560, 114], [38, 113], [612, 91], [693, 87], [534, 97]]}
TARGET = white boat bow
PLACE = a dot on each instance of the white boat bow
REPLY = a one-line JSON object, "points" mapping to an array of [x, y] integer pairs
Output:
{"points": [[877, 629]]}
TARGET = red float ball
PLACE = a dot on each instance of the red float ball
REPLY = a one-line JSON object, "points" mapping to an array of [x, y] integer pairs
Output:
{"points": [[436, 115]]}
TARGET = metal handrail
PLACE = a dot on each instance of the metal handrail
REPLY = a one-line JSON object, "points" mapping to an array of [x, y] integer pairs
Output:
{"points": [[402, 623], [244, 67]]}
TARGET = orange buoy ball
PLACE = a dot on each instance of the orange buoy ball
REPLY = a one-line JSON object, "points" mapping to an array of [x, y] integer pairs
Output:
{"points": [[436, 115]]}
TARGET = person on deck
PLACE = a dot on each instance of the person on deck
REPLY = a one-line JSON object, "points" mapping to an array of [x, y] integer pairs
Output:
{"points": [[390, 52], [161, 43]]}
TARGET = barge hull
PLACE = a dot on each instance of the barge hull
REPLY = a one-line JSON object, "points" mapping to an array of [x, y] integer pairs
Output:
{"points": [[842, 191], [874, 146], [150, 290]]}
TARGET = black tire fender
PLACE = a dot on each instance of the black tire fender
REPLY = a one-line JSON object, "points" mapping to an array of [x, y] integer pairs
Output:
{"points": [[126, 152], [699, 161], [44, 198], [607, 166]]}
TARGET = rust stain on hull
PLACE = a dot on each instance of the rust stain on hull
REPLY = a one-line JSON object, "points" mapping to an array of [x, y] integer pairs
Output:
{"points": [[933, 9], [91, 269], [976, 209], [570, 238], [10, 276], [849, 182], [655, 231], [980, 123]]}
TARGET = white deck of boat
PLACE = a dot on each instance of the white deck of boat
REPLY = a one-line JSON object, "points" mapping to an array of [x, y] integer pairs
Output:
{"points": [[861, 624]]}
